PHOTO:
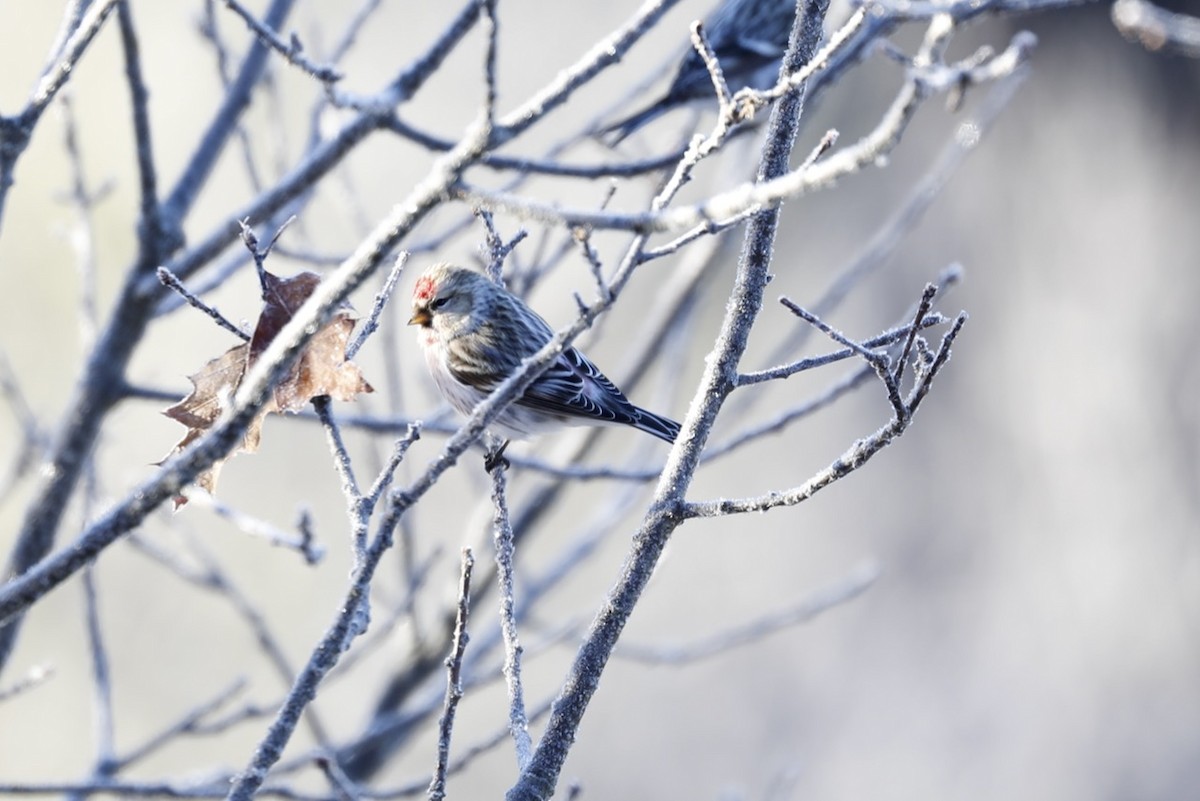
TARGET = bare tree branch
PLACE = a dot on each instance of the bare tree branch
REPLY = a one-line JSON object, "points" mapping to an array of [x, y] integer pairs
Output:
{"points": [[518, 723], [79, 28], [454, 690], [846, 589], [538, 781], [293, 51], [521, 155]]}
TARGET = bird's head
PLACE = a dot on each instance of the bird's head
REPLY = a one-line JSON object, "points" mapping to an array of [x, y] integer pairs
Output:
{"points": [[444, 297]]}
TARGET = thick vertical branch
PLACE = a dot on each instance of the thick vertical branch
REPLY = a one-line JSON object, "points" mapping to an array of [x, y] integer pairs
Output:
{"points": [[538, 781]]}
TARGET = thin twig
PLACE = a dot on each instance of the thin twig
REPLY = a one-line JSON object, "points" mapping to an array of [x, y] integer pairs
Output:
{"points": [[343, 785], [878, 361], [67, 58], [382, 297], [494, 248], [353, 28], [842, 591], [34, 678], [341, 456], [852, 459], [537, 166], [293, 51], [311, 551], [159, 233], [189, 723], [518, 722], [84, 202], [923, 307], [705, 51], [491, 28], [752, 196], [454, 690], [101, 679], [169, 279], [150, 789], [384, 479], [420, 786], [811, 362]]}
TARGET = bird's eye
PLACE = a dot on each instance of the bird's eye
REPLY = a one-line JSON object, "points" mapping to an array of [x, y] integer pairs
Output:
{"points": [[438, 303]]}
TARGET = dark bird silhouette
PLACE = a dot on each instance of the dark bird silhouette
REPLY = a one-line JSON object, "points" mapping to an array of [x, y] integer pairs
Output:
{"points": [[748, 37]]}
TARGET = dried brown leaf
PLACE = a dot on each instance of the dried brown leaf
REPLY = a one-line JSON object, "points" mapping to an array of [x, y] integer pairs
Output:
{"points": [[321, 369]]}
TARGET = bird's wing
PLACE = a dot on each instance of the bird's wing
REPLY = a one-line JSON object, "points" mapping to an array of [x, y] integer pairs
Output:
{"points": [[483, 360], [574, 387]]}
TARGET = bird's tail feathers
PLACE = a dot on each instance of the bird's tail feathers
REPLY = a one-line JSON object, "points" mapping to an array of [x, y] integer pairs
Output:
{"points": [[664, 428]]}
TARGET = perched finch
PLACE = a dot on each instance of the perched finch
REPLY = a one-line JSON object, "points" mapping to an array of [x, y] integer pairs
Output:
{"points": [[748, 37], [475, 334]]}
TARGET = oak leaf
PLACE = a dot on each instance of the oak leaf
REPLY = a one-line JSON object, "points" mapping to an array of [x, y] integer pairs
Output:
{"points": [[320, 369]]}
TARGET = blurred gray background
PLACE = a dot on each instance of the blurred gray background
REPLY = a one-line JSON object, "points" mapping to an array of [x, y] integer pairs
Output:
{"points": [[1035, 632]]}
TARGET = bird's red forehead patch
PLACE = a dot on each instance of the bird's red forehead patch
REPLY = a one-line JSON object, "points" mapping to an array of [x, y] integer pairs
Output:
{"points": [[424, 290]]}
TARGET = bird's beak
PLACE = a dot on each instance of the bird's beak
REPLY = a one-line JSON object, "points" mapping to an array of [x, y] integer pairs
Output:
{"points": [[420, 317]]}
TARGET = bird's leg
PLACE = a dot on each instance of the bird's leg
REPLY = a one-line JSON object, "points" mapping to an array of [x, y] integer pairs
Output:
{"points": [[494, 457]]}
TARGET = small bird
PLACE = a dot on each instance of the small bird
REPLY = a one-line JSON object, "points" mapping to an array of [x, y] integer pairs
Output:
{"points": [[748, 37], [475, 334]]}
